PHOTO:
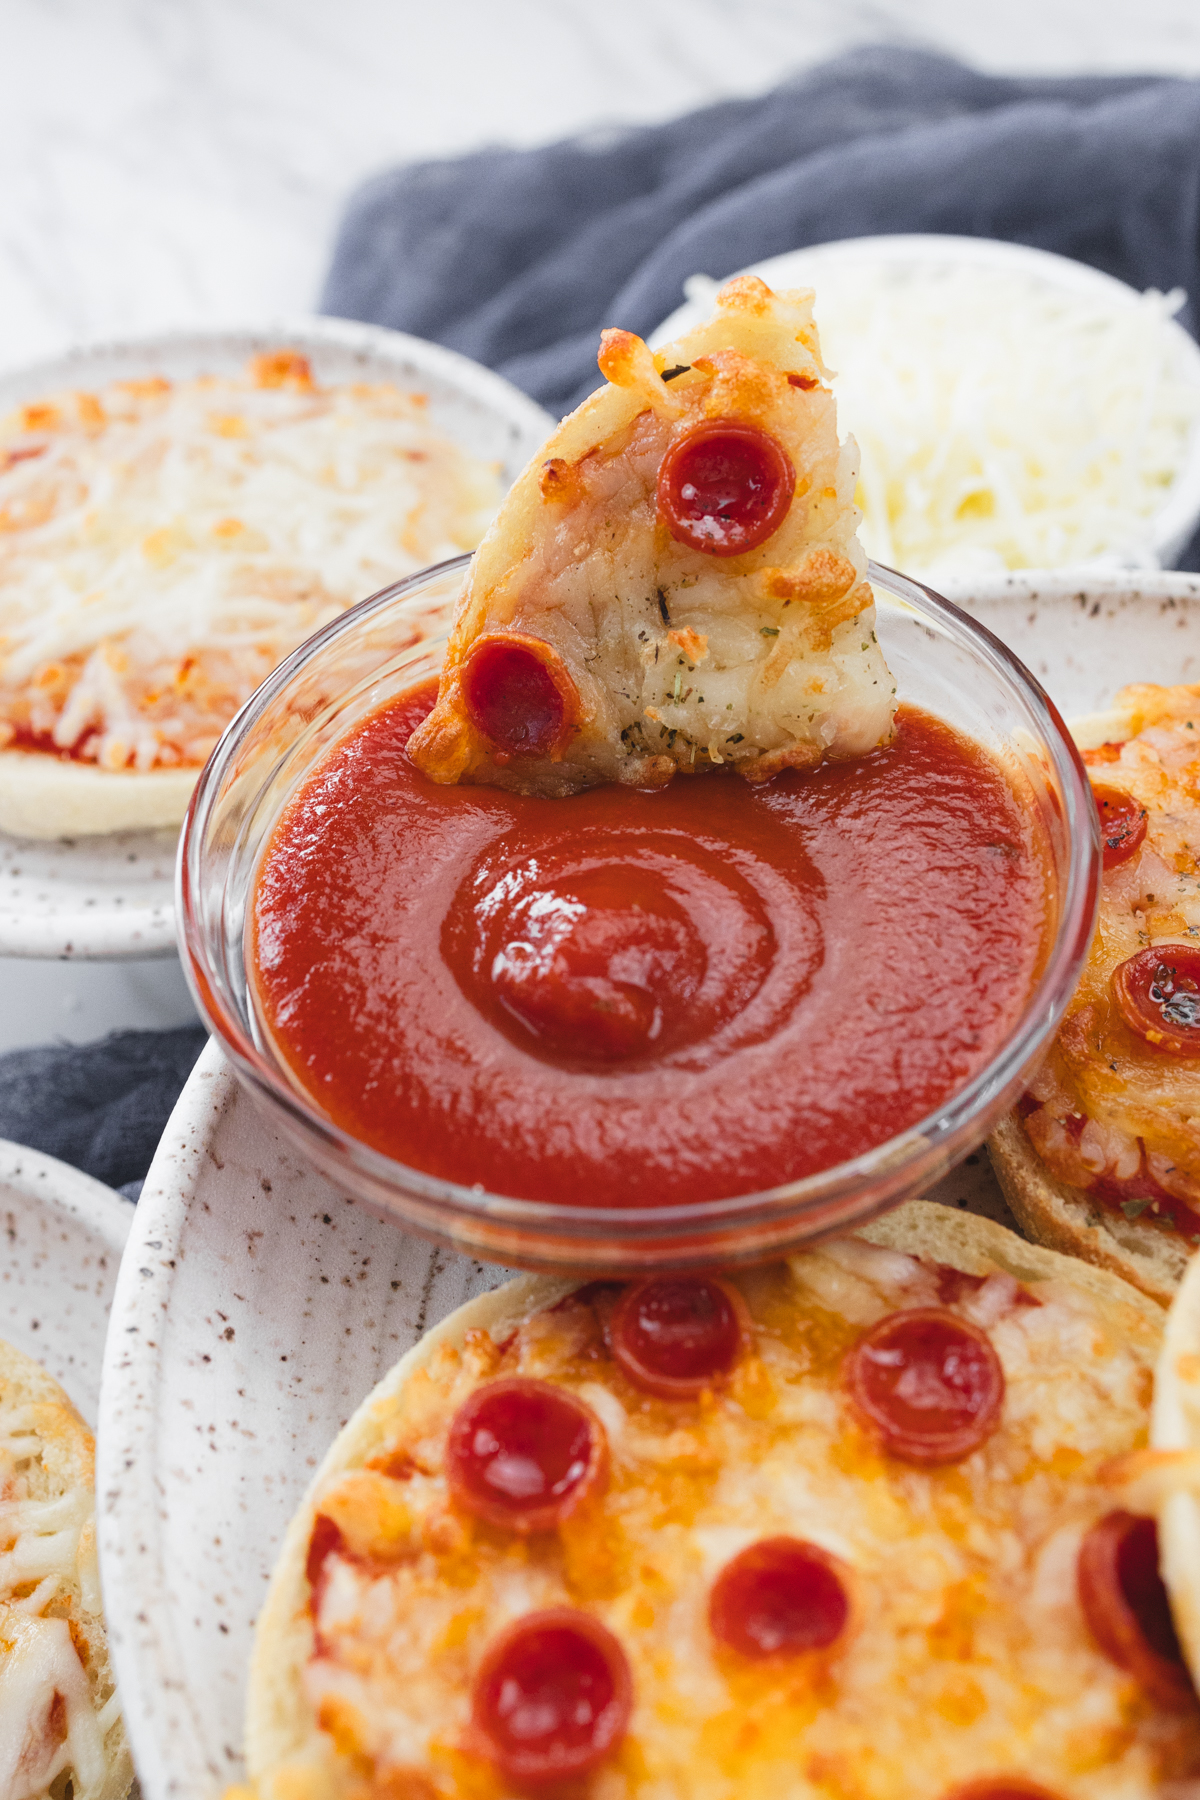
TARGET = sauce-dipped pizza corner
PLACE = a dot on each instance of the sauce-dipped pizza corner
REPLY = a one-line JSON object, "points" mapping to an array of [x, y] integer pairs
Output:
{"points": [[657, 896]]}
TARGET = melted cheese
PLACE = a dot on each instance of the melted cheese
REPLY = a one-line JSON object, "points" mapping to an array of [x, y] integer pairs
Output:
{"points": [[52, 1718], [967, 1654], [1132, 1099], [1002, 421], [163, 546]]}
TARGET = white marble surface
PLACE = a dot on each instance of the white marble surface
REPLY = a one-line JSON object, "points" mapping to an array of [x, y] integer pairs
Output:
{"points": [[184, 161]]}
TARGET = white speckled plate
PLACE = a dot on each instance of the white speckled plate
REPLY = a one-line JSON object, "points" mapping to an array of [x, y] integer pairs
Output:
{"points": [[256, 1306], [61, 1237], [103, 896], [114, 896]]}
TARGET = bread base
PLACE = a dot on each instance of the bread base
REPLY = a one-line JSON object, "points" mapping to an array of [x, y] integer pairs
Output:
{"points": [[44, 796], [1150, 1256]]}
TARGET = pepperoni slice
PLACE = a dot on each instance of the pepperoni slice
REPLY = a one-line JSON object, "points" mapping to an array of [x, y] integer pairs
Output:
{"points": [[523, 1454], [928, 1383], [779, 1597], [725, 486], [1122, 823], [1158, 992], [552, 1696], [519, 694], [1125, 1604], [1001, 1787], [675, 1335]]}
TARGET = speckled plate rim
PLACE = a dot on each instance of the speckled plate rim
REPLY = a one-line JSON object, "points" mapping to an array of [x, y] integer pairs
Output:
{"points": [[194, 1167], [69, 1192], [150, 1673], [84, 920]]}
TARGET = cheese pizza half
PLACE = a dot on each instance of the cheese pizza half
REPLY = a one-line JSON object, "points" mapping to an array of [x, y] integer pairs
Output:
{"points": [[839, 1527], [675, 584], [60, 1722], [1102, 1156]]}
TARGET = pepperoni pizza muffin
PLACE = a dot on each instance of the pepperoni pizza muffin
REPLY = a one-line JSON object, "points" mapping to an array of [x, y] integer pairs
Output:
{"points": [[838, 1527], [1102, 1156]]}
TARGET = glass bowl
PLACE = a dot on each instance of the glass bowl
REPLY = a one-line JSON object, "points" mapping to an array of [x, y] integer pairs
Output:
{"points": [[943, 661]]}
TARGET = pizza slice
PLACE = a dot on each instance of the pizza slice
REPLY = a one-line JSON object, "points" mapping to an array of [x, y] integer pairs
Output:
{"points": [[675, 584], [842, 1526], [1102, 1156]]}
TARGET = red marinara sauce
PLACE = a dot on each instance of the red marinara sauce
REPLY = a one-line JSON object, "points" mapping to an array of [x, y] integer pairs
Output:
{"points": [[632, 998]]}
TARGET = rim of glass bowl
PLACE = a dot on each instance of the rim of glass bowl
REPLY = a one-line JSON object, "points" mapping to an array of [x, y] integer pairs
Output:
{"points": [[819, 1204]]}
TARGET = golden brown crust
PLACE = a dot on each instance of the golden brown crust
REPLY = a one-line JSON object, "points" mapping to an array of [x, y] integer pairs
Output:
{"points": [[1151, 1257]]}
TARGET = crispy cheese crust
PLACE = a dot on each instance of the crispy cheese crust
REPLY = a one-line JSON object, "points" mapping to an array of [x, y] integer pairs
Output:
{"points": [[967, 1655], [59, 1716], [1108, 1140], [680, 660]]}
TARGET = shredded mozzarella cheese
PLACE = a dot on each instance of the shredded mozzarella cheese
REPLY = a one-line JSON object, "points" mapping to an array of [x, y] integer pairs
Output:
{"points": [[1003, 421], [51, 1721], [163, 546]]}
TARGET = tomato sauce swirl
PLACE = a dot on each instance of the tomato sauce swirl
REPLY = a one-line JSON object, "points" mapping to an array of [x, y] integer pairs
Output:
{"points": [[630, 998]]}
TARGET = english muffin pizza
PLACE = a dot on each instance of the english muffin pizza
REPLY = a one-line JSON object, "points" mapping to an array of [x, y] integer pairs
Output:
{"points": [[61, 1735], [1102, 1157], [844, 1526], [164, 544], [675, 584]]}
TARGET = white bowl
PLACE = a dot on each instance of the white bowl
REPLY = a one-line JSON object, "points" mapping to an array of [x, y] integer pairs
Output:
{"points": [[1173, 525], [257, 1305], [102, 897]]}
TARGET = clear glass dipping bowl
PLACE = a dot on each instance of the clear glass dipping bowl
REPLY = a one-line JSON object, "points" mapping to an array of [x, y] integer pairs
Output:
{"points": [[943, 661]]}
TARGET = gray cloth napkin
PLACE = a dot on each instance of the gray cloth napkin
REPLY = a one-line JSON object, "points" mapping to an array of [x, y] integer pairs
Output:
{"points": [[519, 257], [101, 1106]]}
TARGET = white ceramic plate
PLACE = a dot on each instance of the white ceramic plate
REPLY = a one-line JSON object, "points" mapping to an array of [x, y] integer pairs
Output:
{"points": [[1177, 519], [113, 896], [61, 1238], [256, 1306]]}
